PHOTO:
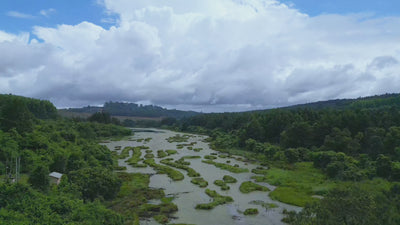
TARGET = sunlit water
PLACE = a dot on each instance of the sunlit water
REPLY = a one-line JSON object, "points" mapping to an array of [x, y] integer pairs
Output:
{"points": [[188, 195]]}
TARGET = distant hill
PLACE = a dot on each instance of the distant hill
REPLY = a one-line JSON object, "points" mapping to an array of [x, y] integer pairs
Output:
{"points": [[129, 110], [377, 101]]}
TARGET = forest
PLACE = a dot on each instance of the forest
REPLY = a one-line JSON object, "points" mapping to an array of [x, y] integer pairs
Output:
{"points": [[34, 141]]}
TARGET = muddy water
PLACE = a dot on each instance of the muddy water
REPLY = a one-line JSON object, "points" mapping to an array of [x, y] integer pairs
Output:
{"points": [[188, 195]]}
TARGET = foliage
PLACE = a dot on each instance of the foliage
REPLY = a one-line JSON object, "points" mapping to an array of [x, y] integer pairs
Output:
{"points": [[351, 204]]}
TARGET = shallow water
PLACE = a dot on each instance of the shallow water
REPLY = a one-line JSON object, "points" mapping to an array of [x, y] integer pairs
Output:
{"points": [[188, 195]]}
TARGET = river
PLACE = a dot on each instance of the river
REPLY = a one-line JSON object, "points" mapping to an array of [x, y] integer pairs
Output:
{"points": [[188, 195]]}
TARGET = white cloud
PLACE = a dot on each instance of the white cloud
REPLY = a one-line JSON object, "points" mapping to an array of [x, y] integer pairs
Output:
{"points": [[19, 15], [47, 12], [206, 54]]}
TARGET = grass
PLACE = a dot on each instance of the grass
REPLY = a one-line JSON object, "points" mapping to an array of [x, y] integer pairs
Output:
{"points": [[260, 178], [178, 138], [217, 200], [260, 171], [222, 184], [149, 156], [161, 154], [251, 211], [264, 204], [125, 152], [229, 179], [210, 157], [297, 186], [200, 182], [135, 158], [191, 172], [171, 152], [197, 149], [248, 186], [227, 167], [131, 200], [191, 157], [171, 173]]}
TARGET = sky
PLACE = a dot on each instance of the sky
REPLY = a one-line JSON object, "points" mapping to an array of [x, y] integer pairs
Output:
{"points": [[203, 55]]}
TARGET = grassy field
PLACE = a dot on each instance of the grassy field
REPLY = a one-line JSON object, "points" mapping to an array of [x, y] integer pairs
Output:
{"points": [[297, 186]]}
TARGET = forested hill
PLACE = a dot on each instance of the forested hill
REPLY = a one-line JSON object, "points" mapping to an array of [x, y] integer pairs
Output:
{"points": [[19, 112], [386, 100], [134, 110]]}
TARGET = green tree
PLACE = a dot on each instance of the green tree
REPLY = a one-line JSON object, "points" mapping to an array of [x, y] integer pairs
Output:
{"points": [[39, 178]]}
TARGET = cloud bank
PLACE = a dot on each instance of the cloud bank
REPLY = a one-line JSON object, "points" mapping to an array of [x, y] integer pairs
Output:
{"points": [[208, 55]]}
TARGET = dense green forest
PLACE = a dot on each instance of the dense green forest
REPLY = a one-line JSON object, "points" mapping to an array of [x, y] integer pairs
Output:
{"points": [[35, 142], [354, 144], [134, 110]]}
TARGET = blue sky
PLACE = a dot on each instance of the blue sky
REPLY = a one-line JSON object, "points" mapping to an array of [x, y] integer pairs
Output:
{"points": [[377, 7], [21, 15], [204, 55]]}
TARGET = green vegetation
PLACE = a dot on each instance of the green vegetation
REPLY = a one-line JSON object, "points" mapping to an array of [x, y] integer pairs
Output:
{"points": [[222, 184], [352, 204], [251, 211], [248, 186], [149, 156], [131, 201], [137, 153], [264, 204], [229, 179], [228, 167], [34, 142], [217, 200], [171, 152], [297, 186], [178, 138], [260, 179], [320, 145], [171, 173], [191, 157], [191, 172], [210, 157], [197, 149], [260, 170], [200, 182], [161, 154]]}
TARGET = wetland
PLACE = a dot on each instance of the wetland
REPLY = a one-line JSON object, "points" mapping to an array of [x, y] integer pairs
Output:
{"points": [[195, 184]]}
